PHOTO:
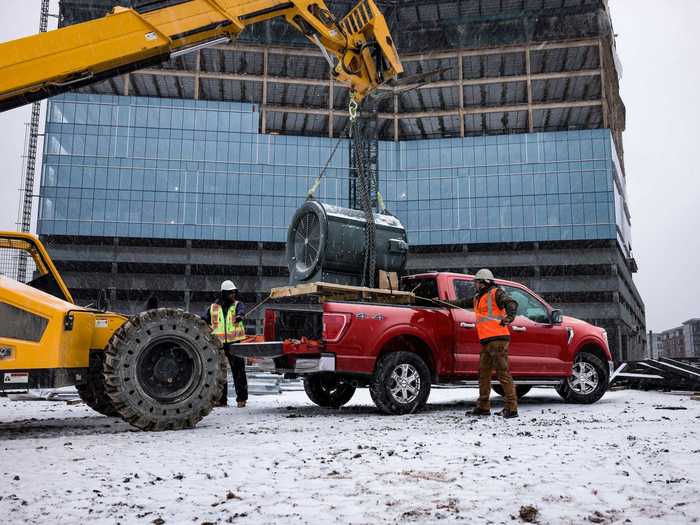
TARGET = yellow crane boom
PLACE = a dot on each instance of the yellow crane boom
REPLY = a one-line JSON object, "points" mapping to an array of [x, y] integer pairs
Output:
{"points": [[358, 47]]}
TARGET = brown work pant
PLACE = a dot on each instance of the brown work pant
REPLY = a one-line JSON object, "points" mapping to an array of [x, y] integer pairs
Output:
{"points": [[494, 355]]}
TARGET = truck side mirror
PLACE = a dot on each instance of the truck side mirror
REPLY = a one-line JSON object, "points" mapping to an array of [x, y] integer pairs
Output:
{"points": [[555, 317]]}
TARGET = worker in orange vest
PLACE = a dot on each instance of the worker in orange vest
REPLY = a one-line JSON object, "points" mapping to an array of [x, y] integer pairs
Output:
{"points": [[494, 310], [225, 317]]}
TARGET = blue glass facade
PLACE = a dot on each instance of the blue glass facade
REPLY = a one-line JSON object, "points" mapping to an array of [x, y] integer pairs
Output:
{"points": [[168, 168]]}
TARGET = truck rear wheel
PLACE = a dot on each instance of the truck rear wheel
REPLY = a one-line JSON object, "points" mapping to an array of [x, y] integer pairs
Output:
{"points": [[93, 392], [327, 390], [401, 383], [520, 390], [587, 383], [164, 370]]}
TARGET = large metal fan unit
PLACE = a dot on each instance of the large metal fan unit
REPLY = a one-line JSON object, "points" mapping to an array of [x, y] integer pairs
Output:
{"points": [[328, 244]]}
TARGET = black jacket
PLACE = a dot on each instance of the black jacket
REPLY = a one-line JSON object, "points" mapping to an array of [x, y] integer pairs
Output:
{"points": [[240, 311]]}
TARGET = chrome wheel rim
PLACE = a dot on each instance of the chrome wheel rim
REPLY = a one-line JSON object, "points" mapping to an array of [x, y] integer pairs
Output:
{"points": [[584, 379], [404, 383]]}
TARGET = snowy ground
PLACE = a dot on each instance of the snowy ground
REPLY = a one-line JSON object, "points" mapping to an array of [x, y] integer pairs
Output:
{"points": [[283, 460]]}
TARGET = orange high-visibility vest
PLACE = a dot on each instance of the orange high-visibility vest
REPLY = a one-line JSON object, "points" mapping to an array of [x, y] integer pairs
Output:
{"points": [[227, 330], [489, 316]]}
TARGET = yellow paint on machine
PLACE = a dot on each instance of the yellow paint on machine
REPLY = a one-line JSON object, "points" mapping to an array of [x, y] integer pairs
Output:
{"points": [[41, 65], [58, 347], [105, 325], [89, 48]]}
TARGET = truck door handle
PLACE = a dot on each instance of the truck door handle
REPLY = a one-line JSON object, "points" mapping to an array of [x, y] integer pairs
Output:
{"points": [[519, 328], [467, 325]]}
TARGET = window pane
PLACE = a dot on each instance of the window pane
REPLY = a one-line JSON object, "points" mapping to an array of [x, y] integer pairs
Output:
{"points": [[528, 306], [464, 290]]}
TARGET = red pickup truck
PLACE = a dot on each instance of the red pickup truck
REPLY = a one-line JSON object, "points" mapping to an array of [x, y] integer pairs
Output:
{"points": [[400, 351]]}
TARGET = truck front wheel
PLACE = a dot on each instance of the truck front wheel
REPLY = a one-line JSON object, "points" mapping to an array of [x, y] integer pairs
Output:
{"points": [[327, 390], [164, 370], [401, 383], [587, 383]]}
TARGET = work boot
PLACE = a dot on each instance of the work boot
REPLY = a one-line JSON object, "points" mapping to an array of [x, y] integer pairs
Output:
{"points": [[477, 411], [241, 404], [507, 413]]}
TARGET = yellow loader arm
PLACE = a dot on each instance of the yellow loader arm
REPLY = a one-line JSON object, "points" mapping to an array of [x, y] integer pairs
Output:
{"points": [[39, 66]]}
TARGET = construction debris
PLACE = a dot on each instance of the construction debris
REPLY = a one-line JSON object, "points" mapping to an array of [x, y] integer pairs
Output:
{"points": [[659, 374]]}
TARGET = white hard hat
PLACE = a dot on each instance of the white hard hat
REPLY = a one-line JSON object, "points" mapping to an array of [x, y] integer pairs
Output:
{"points": [[228, 286], [484, 275]]}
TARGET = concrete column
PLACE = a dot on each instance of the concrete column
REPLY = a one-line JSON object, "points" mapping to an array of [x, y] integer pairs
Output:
{"points": [[603, 84], [188, 273], [263, 111], [197, 63], [331, 90], [530, 119], [396, 117], [619, 352], [460, 57]]}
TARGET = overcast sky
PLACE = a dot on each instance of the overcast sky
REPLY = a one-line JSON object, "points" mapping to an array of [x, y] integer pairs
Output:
{"points": [[659, 49]]}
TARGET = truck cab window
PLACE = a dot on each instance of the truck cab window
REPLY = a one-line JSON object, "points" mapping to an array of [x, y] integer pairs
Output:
{"points": [[421, 287], [528, 306], [464, 291]]}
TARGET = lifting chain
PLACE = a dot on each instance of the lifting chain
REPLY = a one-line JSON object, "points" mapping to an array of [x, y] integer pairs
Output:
{"points": [[352, 109], [365, 187]]}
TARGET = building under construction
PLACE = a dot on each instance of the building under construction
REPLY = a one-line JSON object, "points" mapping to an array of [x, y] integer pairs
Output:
{"points": [[171, 179]]}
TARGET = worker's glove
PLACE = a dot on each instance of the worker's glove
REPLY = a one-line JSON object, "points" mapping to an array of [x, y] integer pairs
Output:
{"points": [[239, 319]]}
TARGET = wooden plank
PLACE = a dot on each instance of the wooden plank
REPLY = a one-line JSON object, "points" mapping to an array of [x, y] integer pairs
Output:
{"points": [[342, 292], [293, 291]]}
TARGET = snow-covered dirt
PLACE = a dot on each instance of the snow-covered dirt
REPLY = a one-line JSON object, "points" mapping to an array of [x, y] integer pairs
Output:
{"points": [[283, 460]]}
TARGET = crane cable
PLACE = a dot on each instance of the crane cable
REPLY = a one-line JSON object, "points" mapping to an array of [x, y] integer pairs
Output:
{"points": [[353, 133], [352, 110]]}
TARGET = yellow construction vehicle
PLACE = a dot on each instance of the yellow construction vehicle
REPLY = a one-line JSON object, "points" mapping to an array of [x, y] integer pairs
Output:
{"points": [[161, 369], [125, 40]]}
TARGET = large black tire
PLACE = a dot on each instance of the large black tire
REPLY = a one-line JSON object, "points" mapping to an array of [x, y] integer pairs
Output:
{"points": [[520, 390], [327, 390], [589, 381], [164, 370], [93, 391], [392, 397]]}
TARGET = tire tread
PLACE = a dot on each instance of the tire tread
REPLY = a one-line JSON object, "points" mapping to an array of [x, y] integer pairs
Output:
{"points": [[568, 395], [380, 393], [123, 350]]}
